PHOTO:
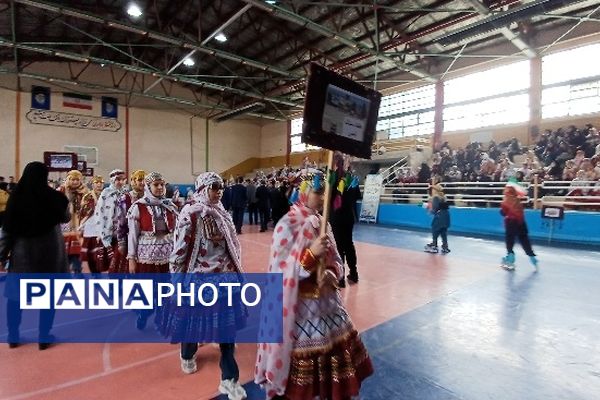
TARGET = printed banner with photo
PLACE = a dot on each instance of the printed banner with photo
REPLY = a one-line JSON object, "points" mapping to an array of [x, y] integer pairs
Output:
{"points": [[345, 114]]}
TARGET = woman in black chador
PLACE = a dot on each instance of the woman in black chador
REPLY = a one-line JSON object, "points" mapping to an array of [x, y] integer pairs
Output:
{"points": [[32, 241]]}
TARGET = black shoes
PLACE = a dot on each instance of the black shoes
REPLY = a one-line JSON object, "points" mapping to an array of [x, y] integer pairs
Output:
{"points": [[45, 342], [48, 341], [43, 346]]}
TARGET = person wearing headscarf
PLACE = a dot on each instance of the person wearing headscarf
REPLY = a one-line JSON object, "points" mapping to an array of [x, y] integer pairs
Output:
{"points": [[151, 222], [74, 189], [441, 217], [322, 355], [32, 240], [514, 224], [137, 182], [88, 224], [206, 242], [107, 220]]}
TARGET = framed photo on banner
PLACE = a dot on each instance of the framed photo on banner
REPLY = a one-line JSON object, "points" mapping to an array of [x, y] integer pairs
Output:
{"points": [[339, 114], [60, 161]]}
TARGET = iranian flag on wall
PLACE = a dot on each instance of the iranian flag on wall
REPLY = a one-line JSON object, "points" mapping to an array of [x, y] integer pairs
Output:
{"points": [[76, 100]]}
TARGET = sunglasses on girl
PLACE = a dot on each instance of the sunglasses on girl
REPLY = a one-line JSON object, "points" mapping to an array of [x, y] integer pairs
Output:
{"points": [[216, 186]]}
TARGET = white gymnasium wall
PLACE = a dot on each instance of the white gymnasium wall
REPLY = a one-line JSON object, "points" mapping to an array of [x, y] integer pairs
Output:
{"points": [[273, 141], [232, 142], [7, 132], [159, 140]]}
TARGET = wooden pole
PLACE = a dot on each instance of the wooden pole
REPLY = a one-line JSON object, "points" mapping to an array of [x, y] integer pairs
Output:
{"points": [[326, 208], [327, 204]]}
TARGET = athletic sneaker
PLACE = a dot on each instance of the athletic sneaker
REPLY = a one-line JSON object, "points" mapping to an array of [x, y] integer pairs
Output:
{"points": [[232, 389], [445, 250], [188, 366], [431, 248]]}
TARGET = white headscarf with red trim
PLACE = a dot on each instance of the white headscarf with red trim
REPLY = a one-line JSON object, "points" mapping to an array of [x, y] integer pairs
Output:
{"points": [[294, 233], [202, 205]]}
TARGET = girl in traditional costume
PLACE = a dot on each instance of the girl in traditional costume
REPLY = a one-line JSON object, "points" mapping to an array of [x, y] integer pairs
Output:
{"points": [[74, 189], [151, 222], [205, 242], [88, 224], [137, 183], [321, 355], [107, 218]]}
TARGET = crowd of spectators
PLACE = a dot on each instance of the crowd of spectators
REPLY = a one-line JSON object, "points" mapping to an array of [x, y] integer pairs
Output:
{"points": [[569, 154], [561, 155]]}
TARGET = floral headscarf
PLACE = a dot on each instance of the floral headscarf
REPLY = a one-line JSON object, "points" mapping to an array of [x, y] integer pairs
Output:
{"points": [[81, 189], [107, 207], [152, 200], [202, 205]]}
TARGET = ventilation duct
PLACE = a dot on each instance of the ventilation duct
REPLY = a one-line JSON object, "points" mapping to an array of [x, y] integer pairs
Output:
{"points": [[239, 111]]}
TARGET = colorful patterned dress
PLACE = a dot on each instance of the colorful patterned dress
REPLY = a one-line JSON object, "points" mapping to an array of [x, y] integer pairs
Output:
{"points": [[150, 237], [70, 229], [322, 355], [90, 229], [205, 245], [108, 215]]}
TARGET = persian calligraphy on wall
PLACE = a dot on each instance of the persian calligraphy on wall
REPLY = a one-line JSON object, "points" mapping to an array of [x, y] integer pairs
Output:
{"points": [[56, 118]]}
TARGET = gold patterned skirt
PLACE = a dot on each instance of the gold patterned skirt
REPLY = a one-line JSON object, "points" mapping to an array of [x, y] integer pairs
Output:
{"points": [[329, 361]]}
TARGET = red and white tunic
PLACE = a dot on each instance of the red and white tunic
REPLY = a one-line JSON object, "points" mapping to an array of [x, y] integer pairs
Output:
{"points": [[150, 237], [71, 229]]}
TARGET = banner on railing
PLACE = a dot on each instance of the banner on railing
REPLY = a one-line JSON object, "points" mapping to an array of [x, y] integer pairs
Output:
{"points": [[370, 202]]}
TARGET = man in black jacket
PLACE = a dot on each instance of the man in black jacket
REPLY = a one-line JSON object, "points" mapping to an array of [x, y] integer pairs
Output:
{"points": [[262, 203], [239, 199], [342, 222]]}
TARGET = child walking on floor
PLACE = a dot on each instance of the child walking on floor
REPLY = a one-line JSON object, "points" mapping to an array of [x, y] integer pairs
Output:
{"points": [[514, 224], [441, 218]]}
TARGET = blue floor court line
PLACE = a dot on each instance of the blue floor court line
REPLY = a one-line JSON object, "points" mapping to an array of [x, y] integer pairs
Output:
{"points": [[511, 335], [489, 250]]}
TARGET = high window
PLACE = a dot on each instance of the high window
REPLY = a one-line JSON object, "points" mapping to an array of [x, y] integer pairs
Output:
{"points": [[497, 96], [407, 113], [571, 82]]}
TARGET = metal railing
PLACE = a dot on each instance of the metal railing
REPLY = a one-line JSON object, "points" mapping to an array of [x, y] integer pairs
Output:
{"points": [[386, 173], [401, 144], [577, 195]]}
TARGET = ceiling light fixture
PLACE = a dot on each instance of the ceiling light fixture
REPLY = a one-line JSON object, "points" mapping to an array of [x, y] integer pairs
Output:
{"points": [[134, 10], [221, 38], [189, 62]]}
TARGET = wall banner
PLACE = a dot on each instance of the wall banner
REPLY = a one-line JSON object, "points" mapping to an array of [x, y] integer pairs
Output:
{"points": [[56, 118]]}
